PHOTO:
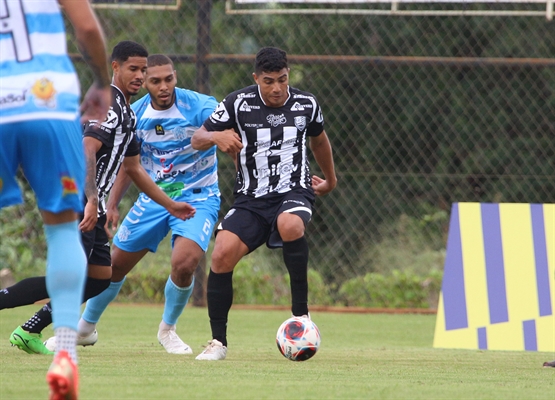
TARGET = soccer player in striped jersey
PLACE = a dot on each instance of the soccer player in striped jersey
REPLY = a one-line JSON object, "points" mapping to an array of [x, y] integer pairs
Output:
{"points": [[167, 117], [266, 126], [109, 143], [40, 131]]}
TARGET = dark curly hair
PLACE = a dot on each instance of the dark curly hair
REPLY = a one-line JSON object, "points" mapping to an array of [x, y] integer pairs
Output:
{"points": [[270, 59]]}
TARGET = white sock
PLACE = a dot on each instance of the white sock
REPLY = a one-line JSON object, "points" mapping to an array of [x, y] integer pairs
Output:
{"points": [[66, 339], [165, 327], [85, 328]]}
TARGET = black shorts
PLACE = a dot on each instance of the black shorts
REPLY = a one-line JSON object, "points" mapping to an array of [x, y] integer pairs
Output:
{"points": [[97, 245], [254, 219]]}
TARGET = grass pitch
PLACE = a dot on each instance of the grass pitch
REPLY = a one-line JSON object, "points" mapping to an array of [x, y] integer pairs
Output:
{"points": [[362, 356]]}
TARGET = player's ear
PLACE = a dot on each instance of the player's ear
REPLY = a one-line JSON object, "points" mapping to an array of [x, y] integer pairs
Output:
{"points": [[175, 75], [255, 77]]}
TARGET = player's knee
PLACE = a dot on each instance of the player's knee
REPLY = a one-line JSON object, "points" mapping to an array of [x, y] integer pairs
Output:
{"points": [[290, 227]]}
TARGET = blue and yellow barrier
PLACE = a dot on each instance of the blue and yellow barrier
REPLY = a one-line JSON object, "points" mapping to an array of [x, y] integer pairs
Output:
{"points": [[498, 282]]}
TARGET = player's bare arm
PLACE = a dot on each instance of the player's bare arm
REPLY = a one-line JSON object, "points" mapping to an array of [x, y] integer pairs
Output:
{"points": [[227, 141], [121, 184], [135, 170], [92, 45], [91, 146], [321, 149]]}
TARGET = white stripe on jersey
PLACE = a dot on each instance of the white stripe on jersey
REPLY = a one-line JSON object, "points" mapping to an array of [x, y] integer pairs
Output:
{"points": [[40, 115], [289, 150], [41, 43], [261, 162], [62, 82], [42, 6], [242, 153]]}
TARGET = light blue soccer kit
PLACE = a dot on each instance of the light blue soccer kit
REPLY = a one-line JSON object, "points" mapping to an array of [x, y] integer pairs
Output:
{"points": [[185, 175], [40, 132]]}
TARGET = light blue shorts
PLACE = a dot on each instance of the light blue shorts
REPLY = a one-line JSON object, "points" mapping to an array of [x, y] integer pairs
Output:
{"points": [[147, 223], [50, 153]]}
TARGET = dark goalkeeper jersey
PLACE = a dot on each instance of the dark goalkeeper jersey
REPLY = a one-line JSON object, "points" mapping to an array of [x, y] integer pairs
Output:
{"points": [[117, 134], [274, 154]]}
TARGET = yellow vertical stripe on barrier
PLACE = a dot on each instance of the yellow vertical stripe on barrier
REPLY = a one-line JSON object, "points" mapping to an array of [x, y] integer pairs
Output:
{"points": [[520, 271], [546, 325], [474, 266]]}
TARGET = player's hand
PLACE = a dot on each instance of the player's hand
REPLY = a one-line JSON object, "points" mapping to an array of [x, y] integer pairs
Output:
{"points": [[90, 217], [182, 210], [228, 141], [112, 219], [96, 103], [321, 186]]}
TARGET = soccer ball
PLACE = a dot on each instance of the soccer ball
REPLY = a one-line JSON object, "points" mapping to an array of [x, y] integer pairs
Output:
{"points": [[298, 339]]}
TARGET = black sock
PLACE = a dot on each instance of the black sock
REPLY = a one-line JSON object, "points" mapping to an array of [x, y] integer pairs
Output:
{"points": [[40, 320], [43, 318], [219, 295], [295, 255], [25, 292], [94, 287]]}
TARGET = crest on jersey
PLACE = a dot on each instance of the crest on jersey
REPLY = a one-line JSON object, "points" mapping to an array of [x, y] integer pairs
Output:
{"points": [[159, 130], [300, 122]]}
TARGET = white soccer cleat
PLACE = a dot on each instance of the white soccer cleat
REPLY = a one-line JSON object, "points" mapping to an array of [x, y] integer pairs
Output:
{"points": [[89, 340], [172, 343], [215, 351]]}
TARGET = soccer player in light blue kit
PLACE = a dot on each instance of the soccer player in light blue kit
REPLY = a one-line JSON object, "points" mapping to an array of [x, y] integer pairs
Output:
{"points": [[167, 118], [40, 132]]}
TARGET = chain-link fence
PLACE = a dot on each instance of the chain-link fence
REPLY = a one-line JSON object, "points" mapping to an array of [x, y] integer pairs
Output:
{"points": [[422, 111]]}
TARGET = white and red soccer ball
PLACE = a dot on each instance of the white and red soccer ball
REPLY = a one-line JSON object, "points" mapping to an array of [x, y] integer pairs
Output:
{"points": [[298, 338]]}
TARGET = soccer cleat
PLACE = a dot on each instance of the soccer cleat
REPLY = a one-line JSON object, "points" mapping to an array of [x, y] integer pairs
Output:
{"points": [[213, 352], [63, 378], [548, 364], [90, 340], [28, 342], [172, 343]]}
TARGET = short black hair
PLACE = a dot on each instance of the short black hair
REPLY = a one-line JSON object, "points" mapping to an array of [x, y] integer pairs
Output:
{"points": [[127, 48], [156, 60], [270, 59]]}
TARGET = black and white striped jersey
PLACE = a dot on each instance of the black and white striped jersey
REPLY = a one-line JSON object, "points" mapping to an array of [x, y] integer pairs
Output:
{"points": [[274, 154], [117, 134]]}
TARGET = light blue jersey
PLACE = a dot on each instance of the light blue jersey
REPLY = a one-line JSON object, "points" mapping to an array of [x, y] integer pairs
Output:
{"points": [[166, 151], [37, 78]]}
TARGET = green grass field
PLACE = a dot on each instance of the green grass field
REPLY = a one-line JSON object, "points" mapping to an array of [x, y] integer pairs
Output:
{"points": [[362, 356]]}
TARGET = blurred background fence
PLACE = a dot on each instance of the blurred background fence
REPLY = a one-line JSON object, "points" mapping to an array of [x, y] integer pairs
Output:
{"points": [[422, 111]]}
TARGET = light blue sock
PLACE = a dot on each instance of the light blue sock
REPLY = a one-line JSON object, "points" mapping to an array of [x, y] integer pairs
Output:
{"points": [[176, 300], [66, 271], [96, 305]]}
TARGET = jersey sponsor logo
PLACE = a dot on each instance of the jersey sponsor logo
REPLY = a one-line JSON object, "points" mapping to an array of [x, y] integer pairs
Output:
{"points": [[220, 114], [246, 95], [274, 170], [247, 107], [300, 122], [166, 168], [297, 107], [254, 125], [68, 186], [276, 120], [159, 129], [302, 96], [44, 92], [15, 99]]}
